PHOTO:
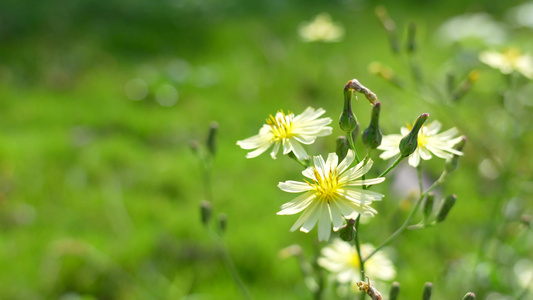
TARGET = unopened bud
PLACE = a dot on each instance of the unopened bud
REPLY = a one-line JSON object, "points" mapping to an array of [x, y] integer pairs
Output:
{"points": [[394, 291], [451, 165], [428, 205], [342, 147], [194, 146], [205, 211], [450, 83], [469, 296], [347, 232], [409, 143], [526, 220], [466, 85], [428, 288], [348, 121], [211, 138], [372, 135], [411, 33], [222, 222], [445, 208], [389, 26]]}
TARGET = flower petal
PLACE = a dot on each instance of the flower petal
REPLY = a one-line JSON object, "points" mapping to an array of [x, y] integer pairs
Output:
{"points": [[294, 186], [297, 205], [324, 224]]}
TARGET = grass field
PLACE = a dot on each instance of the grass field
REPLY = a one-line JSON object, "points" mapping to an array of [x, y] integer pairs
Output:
{"points": [[100, 194]]}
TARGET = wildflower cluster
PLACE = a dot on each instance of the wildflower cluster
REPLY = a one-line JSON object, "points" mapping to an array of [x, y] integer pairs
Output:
{"points": [[335, 192]]}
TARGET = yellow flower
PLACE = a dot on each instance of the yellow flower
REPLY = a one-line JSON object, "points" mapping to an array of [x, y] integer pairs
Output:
{"points": [[341, 259], [330, 195], [288, 131], [321, 29], [509, 60], [429, 142]]}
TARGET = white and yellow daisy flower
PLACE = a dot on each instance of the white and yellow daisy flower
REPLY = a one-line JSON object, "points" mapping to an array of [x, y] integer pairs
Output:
{"points": [[509, 60], [288, 131], [330, 195], [321, 29], [430, 141], [341, 259]]}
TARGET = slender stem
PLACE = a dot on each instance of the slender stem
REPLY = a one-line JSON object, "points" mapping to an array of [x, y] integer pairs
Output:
{"points": [[358, 247], [419, 172], [305, 163], [231, 267], [356, 240], [352, 146], [394, 164], [359, 255], [409, 217]]}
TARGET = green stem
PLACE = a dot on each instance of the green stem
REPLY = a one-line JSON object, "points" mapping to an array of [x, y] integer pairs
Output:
{"points": [[409, 217], [394, 164], [305, 164], [419, 172], [352, 146], [358, 249], [356, 240], [231, 267]]}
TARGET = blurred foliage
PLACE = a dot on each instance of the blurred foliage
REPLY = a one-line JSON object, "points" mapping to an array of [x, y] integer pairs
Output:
{"points": [[100, 195]]}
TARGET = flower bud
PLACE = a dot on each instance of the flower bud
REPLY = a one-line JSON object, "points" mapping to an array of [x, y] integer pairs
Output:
{"points": [[411, 42], [525, 220], [194, 147], [394, 291], [347, 232], [222, 222], [428, 287], [211, 138], [451, 165], [342, 147], [205, 211], [348, 121], [409, 143], [450, 83], [445, 208], [428, 205], [372, 135], [469, 296]]}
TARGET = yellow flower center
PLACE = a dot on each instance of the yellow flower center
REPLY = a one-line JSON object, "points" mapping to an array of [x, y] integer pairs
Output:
{"points": [[354, 260], [422, 138], [281, 125], [326, 187], [511, 55]]}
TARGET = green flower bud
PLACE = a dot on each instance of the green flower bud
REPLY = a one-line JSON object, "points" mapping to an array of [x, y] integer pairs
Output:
{"points": [[372, 135], [222, 222], [469, 296], [411, 42], [348, 121], [445, 208], [205, 211], [394, 291], [428, 287], [451, 165], [347, 232], [409, 143], [211, 138], [342, 147], [428, 205], [194, 147]]}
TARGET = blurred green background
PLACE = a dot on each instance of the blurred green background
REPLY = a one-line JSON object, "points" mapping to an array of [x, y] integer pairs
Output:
{"points": [[100, 191]]}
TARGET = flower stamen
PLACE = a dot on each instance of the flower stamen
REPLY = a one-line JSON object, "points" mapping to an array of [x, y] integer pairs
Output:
{"points": [[281, 125], [325, 187]]}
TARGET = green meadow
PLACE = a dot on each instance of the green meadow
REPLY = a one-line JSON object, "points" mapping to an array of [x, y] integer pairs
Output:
{"points": [[106, 106]]}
